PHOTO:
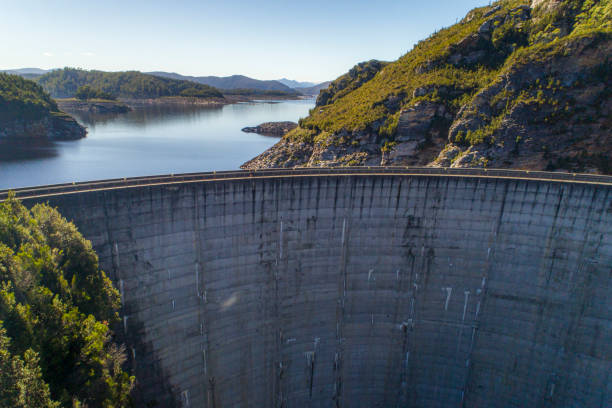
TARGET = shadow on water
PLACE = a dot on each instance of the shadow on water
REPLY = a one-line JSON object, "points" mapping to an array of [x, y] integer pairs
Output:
{"points": [[30, 149]]}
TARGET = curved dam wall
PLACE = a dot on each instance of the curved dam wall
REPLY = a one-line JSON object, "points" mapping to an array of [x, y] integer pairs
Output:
{"points": [[360, 290]]}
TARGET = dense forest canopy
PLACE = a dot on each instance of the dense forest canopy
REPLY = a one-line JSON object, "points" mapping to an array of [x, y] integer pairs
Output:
{"points": [[86, 92], [23, 99], [64, 83], [56, 310]]}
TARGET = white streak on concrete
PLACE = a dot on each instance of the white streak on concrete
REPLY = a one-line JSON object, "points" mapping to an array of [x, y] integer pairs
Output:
{"points": [[117, 254], [448, 291], [467, 295], [280, 255], [185, 395], [205, 365], [229, 302], [197, 279]]}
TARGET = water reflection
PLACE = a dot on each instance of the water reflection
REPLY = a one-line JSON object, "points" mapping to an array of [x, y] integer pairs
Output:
{"points": [[146, 141], [148, 115], [32, 148]]}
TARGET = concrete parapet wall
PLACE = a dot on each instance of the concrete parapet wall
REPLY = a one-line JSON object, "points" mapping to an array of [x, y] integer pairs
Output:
{"points": [[360, 290]]}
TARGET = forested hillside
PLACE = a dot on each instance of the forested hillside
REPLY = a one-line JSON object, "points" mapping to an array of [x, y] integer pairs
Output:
{"points": [[64, 83], [229, 82], [56, 310], [26, 110], [519, 84], [20, 97]]}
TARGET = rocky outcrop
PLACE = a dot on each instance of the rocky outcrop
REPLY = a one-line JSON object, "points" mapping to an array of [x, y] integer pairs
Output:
{"points": [[56, 126], [97, 107], [282, 154], [550, 113], [272, 128]]}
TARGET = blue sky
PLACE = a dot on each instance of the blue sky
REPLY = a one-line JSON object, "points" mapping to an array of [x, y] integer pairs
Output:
{"points": [[310, 41]]}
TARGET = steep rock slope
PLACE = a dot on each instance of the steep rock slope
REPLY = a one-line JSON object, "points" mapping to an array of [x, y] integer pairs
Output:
{"points": [[517, 84]]}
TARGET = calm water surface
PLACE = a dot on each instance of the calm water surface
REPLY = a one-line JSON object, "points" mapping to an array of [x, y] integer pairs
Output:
{"points": [[155, 140]]}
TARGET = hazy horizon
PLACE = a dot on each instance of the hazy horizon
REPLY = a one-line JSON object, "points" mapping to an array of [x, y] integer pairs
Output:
{"points": [[267, 40]]}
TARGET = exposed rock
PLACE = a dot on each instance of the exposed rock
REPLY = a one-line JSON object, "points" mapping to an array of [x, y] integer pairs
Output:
{"points": [[272, 128], [489, 25], [549, 124], [56, 126], [283, 154]]}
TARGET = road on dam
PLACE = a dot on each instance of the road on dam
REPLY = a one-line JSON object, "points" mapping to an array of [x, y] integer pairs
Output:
{"points": [[357, 287]]}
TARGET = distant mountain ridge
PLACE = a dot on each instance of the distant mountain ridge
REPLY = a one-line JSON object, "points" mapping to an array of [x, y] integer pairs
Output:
{"points": [[229, 82], [296, 84], [26, 71], [313, 90]]}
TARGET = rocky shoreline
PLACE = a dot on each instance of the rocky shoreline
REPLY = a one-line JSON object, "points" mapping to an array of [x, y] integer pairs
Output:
{"points": [[55, 126], [272, 128]]}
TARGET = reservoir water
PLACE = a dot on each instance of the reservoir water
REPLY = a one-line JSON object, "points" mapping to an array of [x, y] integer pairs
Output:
{"points": [[150, 141]]}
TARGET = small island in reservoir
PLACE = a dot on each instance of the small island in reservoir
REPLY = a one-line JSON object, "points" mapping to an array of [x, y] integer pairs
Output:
{"points": [[272, 128]]}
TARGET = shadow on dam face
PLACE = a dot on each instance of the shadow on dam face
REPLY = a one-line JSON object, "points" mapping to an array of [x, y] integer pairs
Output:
{"points": [[360, 291]]}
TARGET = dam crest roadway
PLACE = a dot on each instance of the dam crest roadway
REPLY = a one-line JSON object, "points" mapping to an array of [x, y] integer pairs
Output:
{"points": [[357, 287]]}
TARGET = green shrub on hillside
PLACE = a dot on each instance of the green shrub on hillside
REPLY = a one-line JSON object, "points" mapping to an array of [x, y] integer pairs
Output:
{"points": [[56, 307], [23, 99], [86, 92]]}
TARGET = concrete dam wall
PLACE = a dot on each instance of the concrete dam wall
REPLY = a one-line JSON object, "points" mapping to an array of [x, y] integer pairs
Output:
{"points": [[359, 290]]}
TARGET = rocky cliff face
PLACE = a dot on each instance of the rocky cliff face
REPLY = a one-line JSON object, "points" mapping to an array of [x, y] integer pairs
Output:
{"points": [[517, 84], [56, 126], [271, 128]]}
